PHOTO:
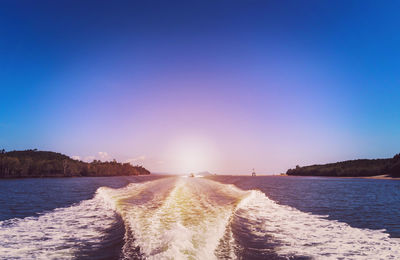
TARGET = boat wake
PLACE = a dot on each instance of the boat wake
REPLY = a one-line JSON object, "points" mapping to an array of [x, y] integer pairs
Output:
{"points": [[187, 218]]}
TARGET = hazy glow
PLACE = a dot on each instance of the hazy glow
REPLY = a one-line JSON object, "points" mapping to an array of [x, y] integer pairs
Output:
{"points": [[192, 154]]}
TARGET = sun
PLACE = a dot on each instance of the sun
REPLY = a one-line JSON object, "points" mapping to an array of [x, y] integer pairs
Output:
{"points": [[192, 154]]}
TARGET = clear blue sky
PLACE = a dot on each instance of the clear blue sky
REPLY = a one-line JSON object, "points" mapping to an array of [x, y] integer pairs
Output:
{"points": [[222, 86]]}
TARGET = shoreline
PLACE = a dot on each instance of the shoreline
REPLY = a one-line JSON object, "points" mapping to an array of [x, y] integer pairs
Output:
{"points": [[55, 177], [377, 177]]}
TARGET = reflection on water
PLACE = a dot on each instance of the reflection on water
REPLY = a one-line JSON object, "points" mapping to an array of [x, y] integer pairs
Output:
{"points": [[188, 218]]}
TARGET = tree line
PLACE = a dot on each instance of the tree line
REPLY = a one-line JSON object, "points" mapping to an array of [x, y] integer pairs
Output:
{"points": [[34, 163], [353, 168]]}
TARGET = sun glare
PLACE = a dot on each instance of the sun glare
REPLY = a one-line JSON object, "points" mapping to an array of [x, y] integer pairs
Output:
{"points": [[192, 154]]}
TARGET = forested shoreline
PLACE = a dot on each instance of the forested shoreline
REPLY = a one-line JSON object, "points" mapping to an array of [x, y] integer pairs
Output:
{"points": [[352, 168], [34, 163]]}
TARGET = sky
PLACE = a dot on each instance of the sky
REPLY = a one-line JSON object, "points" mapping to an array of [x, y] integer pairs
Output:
{"points": [[219, 86]]}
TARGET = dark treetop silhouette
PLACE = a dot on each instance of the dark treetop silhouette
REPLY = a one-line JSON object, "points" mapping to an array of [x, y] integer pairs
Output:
{"points": [[33, 163], [353, 168]]}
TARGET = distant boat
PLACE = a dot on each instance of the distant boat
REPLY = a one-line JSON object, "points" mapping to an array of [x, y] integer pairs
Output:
{"points": [[192, 175], [253, 173]]}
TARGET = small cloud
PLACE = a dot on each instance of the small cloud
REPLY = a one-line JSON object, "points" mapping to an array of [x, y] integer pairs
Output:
{"points": [[89, 158], [76, 157], [139, 159], [160, 162], [103, 155]]}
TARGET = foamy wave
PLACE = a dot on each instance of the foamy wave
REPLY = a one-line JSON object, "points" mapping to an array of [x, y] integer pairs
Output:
{"points": [[189, 218], [175, 218], [299, 233], [59, 234]]}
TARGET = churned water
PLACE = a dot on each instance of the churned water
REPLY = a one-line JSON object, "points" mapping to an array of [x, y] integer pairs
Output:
{"points": [[221, 217]]}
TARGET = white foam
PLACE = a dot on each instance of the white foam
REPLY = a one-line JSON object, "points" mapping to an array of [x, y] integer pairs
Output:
{"points": [[58, 234], [300, 233], [188, 218], [185, 219]]}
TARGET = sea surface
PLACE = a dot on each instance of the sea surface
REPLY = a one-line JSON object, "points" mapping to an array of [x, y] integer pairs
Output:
{"points": [[218, 217]]}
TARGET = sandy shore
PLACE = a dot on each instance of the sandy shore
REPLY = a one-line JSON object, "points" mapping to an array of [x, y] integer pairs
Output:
{"points": [[387, 177]]}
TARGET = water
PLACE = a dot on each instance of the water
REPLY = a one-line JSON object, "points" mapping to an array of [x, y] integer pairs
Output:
{"points": [[362, 203], [222, 217], [21, 198]]}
